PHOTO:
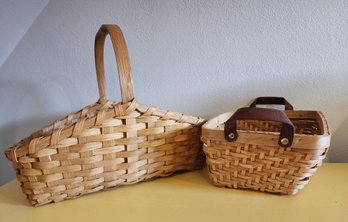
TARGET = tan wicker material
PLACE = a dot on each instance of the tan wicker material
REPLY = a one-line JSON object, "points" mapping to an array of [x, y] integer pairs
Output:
{"points": [[106, 144], [256, 160]]}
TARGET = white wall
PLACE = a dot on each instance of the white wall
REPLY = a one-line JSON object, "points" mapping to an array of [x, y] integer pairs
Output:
{"points": [[196, 57]]}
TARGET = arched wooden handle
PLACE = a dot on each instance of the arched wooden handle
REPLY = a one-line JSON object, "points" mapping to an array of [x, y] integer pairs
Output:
{"points": [[272, 100], [122, 60], [250, 113]]}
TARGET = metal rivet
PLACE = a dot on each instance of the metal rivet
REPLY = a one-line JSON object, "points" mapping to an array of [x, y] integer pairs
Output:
{"points": [[231, 136], [284, 141]]}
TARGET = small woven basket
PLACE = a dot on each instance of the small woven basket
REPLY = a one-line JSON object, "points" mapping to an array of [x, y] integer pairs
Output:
{"points": [[265, 149], [106, 144]]}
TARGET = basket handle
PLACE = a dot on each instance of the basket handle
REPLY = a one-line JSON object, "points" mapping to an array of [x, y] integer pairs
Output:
{"points": [[272, 100], [251, 113], [122, 60]]}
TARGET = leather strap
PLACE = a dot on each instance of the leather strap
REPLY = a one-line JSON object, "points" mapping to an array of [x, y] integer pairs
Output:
{"points": [[272, 100], [250, 113], [122, 60]]}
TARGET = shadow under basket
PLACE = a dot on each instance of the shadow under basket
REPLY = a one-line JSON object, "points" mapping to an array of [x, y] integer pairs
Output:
{"points": [[256, 160]]}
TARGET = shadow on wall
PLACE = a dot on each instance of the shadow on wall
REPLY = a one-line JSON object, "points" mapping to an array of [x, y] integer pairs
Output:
{"points": [[212, 101], [338, 150]]}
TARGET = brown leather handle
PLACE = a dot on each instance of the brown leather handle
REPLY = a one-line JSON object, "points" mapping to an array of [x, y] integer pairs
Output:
{"points": [[272, 100], [251, 113], [122, 60]]}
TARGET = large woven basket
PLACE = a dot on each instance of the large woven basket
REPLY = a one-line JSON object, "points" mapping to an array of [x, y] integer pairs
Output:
{"points": [[108, 143], [265, 149]]}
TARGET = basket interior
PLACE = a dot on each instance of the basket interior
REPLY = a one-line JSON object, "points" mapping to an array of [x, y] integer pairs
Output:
{"points": [[305, 123]]}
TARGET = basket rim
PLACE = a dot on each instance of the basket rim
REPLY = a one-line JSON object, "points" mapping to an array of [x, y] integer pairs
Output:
{"points": [[21, 148], [305, 141]]}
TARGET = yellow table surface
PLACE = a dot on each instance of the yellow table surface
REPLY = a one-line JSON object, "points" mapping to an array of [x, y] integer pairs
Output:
{"points": [[190, 197]]}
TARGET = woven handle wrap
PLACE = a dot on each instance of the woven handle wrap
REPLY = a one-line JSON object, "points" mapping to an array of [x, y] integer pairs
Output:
{"points": [[122, 60], [286, 133], [272, 100]]}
